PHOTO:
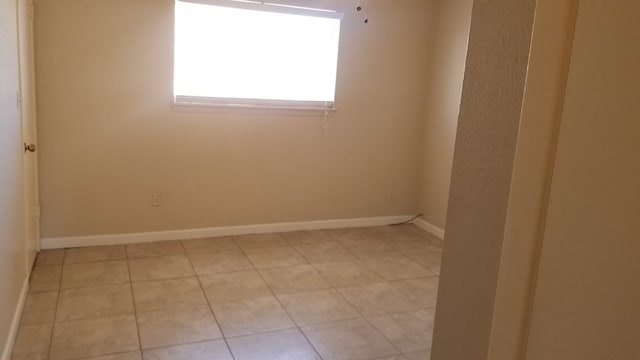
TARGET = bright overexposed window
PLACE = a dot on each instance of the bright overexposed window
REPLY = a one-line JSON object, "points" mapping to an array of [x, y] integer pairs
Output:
{"points": [[250, 52]]}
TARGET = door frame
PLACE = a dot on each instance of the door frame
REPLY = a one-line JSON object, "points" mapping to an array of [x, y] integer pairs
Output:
{"points": [[27, 87], [491, 255]]}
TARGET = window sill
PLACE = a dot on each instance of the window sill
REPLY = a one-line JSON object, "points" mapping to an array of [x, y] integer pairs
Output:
{"points": [[248, 108]]}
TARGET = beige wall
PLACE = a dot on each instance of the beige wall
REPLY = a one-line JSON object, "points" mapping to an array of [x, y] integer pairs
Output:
{"points": [[109, 137], [485, 147], [450, 29], [12, 267], [588, 287]]}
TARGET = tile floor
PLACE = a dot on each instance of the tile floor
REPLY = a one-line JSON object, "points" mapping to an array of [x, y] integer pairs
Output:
{"points": [[342, 294]]}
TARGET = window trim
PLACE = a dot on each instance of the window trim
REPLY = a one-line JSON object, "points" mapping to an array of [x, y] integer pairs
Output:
{"points": [[205, 104], [186, 103], [271, 7]]}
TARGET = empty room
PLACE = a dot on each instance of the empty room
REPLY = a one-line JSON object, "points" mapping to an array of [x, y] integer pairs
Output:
{"points": [[319, 179]]}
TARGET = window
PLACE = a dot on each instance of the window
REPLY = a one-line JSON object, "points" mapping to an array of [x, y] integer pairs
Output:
{"points": [[248, 53]]}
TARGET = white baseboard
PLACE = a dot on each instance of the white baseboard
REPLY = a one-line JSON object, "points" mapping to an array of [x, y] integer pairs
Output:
{"points": [[15, 324], [119, 239], [429, 227]]}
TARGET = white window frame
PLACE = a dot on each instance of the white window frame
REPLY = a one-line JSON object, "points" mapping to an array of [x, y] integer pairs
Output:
{"points": [[203, 103]]}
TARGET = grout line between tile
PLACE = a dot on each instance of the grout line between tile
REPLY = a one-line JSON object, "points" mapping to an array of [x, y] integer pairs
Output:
{"points": [[291, 317], [93, 262], [55, 313], [215, 318], [362, 316], [162, 279], [383, 335], [183, 344], [280, 302], [135, 309], [95, 286]]}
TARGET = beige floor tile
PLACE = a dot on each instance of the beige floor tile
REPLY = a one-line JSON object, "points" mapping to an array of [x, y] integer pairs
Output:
{"points": [[44, 278], [133, 355], [416, 229], [348, 340], [378, 298], [95, 274], [398, 267], [206, 263], [273, 257], [32, 342], [431, 311], [152, 249], [294, 279], [166, 294], [94, 337], [358, 233], [416, 234], [412, 234], [223, 288], [409, 332], [260, 240], [50, 257], [252, 316], [436, 249], [421, 355], [348, 273], [325, 252], [177, 326], [436, 240], [95, 253], [387, 231], [412, 247], [286, 344], [370, 248], [103, 301], [317, 306], [428, 260], [39, 308], [210, 244], [210, 350], [423, 292], [306, 237], [396, 292], [163, 267]]}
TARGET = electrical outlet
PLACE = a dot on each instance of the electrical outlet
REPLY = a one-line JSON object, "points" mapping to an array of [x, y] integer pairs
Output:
{"points": [[156, 199]]}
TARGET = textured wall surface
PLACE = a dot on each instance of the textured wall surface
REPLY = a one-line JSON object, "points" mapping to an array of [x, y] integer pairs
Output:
{"points": [[451, 21], [492, 96], [109, 138]]}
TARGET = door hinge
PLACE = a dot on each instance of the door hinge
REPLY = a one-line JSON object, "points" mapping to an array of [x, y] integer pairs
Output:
{"points": [[18, 100], [29, 147]]}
